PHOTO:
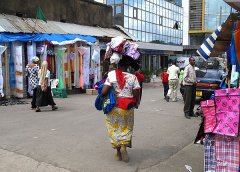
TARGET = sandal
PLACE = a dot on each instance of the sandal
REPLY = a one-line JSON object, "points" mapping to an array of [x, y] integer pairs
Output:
{"points": [[54, 108], [38, 110]]}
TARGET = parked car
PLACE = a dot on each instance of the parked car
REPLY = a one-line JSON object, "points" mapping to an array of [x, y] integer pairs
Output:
{"points": [[208, 80]]}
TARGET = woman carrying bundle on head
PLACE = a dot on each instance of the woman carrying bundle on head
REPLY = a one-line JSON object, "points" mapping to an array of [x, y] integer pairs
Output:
{"points": [[44, 95], [120, 119]]}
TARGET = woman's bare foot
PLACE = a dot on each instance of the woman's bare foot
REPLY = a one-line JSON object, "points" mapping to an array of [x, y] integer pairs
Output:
{"points": [[124, 153], [118, 156]]}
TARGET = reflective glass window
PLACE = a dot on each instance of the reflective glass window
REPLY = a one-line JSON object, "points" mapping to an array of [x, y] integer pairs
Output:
{"points": [[131, 31], [135, 12], [135, 24], [118, 10], [130, 11], [143, 36], [148, 27], [151, 27], [110, 2], [167, 5], [139, 35], [157, 10], [126, 10], [131, 2], [135, 3], [130, 23], [139, 14], [164, 12], [150, 37], [161, 2], [154, 28], [126, 22], [126, 2], [135, 33], [147, 6], [143, 26], [147, 37], [118, 1], [139, 25], [147, 16], [160, 20], [144, 5], [140, 4], [151, 17], [144, 15], [161, 11]]}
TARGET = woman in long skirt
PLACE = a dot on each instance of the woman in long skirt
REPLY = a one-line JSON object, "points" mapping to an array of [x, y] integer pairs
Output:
{"points": [[44, 95], [120, 120]]}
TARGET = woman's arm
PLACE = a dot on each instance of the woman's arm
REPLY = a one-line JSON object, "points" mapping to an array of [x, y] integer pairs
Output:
{"points": [[105, 89]]}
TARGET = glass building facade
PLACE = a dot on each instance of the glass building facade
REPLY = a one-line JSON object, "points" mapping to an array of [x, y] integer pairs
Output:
{"points": [[216, 12], [156, 21]]}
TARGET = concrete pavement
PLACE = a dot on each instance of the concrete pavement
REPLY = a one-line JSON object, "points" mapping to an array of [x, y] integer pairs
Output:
{"points": [[75, 139]]}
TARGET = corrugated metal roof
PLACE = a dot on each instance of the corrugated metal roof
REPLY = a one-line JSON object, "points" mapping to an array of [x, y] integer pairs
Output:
{"points": [[14, 24]]}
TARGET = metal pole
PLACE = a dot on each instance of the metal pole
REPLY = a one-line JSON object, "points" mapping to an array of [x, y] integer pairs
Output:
{"points": [[220, 20]]}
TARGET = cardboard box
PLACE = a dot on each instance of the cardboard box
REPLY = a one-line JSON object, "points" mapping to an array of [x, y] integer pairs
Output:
{"points": [[91, 92]]}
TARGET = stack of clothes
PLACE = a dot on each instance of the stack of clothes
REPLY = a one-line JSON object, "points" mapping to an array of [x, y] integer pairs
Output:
{"points": [[221, 129]]}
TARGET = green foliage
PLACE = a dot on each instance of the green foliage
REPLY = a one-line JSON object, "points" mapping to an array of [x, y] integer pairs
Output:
{"points": [[147, 73]]}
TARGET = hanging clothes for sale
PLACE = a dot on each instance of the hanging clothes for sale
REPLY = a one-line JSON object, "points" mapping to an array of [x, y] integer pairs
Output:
{"points": [[96, 63], [86, 67], [18, 56], [234, 58], [31, 51], [81, 51], [2, 49], [76, 62], [65, 68], [11, 68], [236, 35], [60, 53]]}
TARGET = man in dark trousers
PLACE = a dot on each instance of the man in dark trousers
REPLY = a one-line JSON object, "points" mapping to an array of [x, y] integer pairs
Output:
{"points": [[189, 82]]}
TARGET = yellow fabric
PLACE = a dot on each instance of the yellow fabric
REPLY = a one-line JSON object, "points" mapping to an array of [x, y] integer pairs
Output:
{"points": [[120, 126]]}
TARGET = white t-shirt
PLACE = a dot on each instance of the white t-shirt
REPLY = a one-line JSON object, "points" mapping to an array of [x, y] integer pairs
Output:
{"points": [[173, 72], [47, 76]]}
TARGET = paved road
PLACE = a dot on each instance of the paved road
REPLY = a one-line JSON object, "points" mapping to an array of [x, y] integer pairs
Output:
{"points": [[75, 139]]}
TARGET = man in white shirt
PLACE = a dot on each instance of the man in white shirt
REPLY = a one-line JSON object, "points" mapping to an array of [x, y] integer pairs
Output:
{"points": [[173, 72], [189, 82]]}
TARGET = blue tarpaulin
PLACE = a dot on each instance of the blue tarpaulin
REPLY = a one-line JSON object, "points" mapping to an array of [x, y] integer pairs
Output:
{"points": [[57, 39]]}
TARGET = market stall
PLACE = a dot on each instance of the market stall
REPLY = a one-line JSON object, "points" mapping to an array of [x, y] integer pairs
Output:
{"points": [[220, 126]]}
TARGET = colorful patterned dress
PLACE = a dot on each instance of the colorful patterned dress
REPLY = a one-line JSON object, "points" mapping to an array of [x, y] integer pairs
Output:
{"points": [[120, 121]]}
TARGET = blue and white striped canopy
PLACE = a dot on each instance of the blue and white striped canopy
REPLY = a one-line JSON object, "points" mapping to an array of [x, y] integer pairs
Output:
{"points": [[206, 48]]}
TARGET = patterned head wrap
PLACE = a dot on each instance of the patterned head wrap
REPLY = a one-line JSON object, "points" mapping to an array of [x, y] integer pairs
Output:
{"points": [[35, 59]]}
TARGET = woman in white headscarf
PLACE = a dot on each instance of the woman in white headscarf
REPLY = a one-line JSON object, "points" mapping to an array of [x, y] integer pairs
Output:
{"points": [[44, 95], [32, 73]]}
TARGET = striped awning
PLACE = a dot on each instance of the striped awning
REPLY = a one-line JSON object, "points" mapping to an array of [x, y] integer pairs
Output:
{"points": [[219, 41], [206, 48]]}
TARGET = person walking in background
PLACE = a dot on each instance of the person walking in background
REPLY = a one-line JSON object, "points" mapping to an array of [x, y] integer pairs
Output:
{"points": [[32, 70], [164, 77], [181, 81], [173, 72], [44, 95], [189, 83]]}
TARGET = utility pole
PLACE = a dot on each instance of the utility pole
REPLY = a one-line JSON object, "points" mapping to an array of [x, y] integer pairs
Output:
{"points": [[220, 20]]}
